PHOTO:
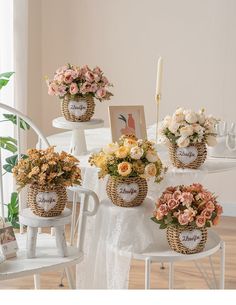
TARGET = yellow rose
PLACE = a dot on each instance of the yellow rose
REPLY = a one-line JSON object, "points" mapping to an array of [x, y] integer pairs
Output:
{"points": [[122, 152], [150, 170], [124, 168], [130, 142], [100, 161]]}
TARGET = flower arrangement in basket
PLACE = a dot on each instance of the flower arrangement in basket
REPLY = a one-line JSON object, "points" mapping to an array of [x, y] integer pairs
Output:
{"points": [[129, 163], [48, 173], [187, 212], [186, 134], [77, 87]]}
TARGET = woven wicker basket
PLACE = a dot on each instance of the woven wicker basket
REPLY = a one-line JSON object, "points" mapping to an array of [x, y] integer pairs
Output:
{"points": [[70, 116], [36, 194], [201, 155], [186, 247], [127, 192]]}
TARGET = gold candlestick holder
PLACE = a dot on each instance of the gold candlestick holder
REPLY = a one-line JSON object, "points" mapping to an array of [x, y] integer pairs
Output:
{"points": [[158, 100]]}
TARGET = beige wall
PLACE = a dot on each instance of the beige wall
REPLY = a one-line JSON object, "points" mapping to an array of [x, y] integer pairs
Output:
{"points": [[196, 38]]}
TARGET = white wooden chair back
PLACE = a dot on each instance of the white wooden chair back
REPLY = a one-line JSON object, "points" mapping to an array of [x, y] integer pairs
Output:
{"points": [[41, 140], [87, 208]]}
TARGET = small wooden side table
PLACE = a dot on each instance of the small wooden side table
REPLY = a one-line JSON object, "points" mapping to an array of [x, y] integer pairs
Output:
{"points": [[34, 222]]}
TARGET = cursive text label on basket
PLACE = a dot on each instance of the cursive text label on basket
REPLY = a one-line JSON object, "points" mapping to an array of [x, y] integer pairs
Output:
{"points": [[186, 155], [77, 108], [46, 200], [190, 239], [128, 192]]}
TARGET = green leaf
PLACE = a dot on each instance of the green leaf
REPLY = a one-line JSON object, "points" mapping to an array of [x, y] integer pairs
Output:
{"points": [[6, 75], [12, 161], [8, 143], [3, 82], [12, 118], [163, 226], [13, 210]]}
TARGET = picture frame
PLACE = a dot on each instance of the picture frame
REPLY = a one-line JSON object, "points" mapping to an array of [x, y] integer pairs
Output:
{"points": [[125, 120], [8, 242]]}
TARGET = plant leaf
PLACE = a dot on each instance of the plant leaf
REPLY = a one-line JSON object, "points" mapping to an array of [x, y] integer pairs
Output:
{"points": [[12, 161], [6, 74], [12, 118], [8, 143]]}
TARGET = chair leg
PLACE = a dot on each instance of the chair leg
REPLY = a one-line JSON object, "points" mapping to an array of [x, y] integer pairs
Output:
{"points": [[70, 278], [31, 241], [147, 272], [37, 281], [222, 265], [61, 241], [171, 275]]}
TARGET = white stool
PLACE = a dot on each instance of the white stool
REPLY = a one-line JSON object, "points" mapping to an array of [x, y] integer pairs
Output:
{"points": [[34, 222]]}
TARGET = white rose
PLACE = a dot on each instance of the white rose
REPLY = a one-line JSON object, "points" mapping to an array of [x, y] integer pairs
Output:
{"points": [[178, 115], [186, 131], [166, 122], [152, 156], [191, 117], [173, 127], [136, 153], [183, 142], [197, 128], [201, 118], [150, 170], [111, 148], [211, 140]]}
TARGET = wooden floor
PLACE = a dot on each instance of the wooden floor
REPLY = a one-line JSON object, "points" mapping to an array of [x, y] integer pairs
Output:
{"points": [[186, 274]]}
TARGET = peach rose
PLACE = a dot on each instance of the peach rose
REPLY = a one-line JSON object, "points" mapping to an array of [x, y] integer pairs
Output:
{"points": [[167, 197], [172, 204], [219, 209], [122, 152], [216, 220], [177, 195], [124, 168], [130, 142], [200, 221], [73, 89], [183, 142], [206, 213], [210, 206], [101, 93], [163, 209], [186, 131], [183, 219], [150, 170], [159, 215], [186, 198]]}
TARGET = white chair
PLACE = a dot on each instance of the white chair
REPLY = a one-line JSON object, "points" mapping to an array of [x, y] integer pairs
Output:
{"points": [[47, 259]]}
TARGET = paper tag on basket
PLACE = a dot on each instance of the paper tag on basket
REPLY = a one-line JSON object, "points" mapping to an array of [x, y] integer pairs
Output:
{"points": [[46, 200], [77, 108], [190, 239], [186, 155], [128, 192]]}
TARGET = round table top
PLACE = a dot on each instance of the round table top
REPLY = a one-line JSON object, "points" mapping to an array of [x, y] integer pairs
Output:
{"points": [[28, 218], [61, 122]]}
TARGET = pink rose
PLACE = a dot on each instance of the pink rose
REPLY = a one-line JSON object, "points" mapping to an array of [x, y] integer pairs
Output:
{"points": [[59, 78], [186, 198], [85, 88], [200, 221], [68, 76], [210, 206], [53, 89], [94, 88], [97, 78], [61, 90], [101, 93], [89, 76], [105, 80], [172, 204], [73, 88], [97, 70], [177, 195], [61, 69], [163, 209], [206, 213]]}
